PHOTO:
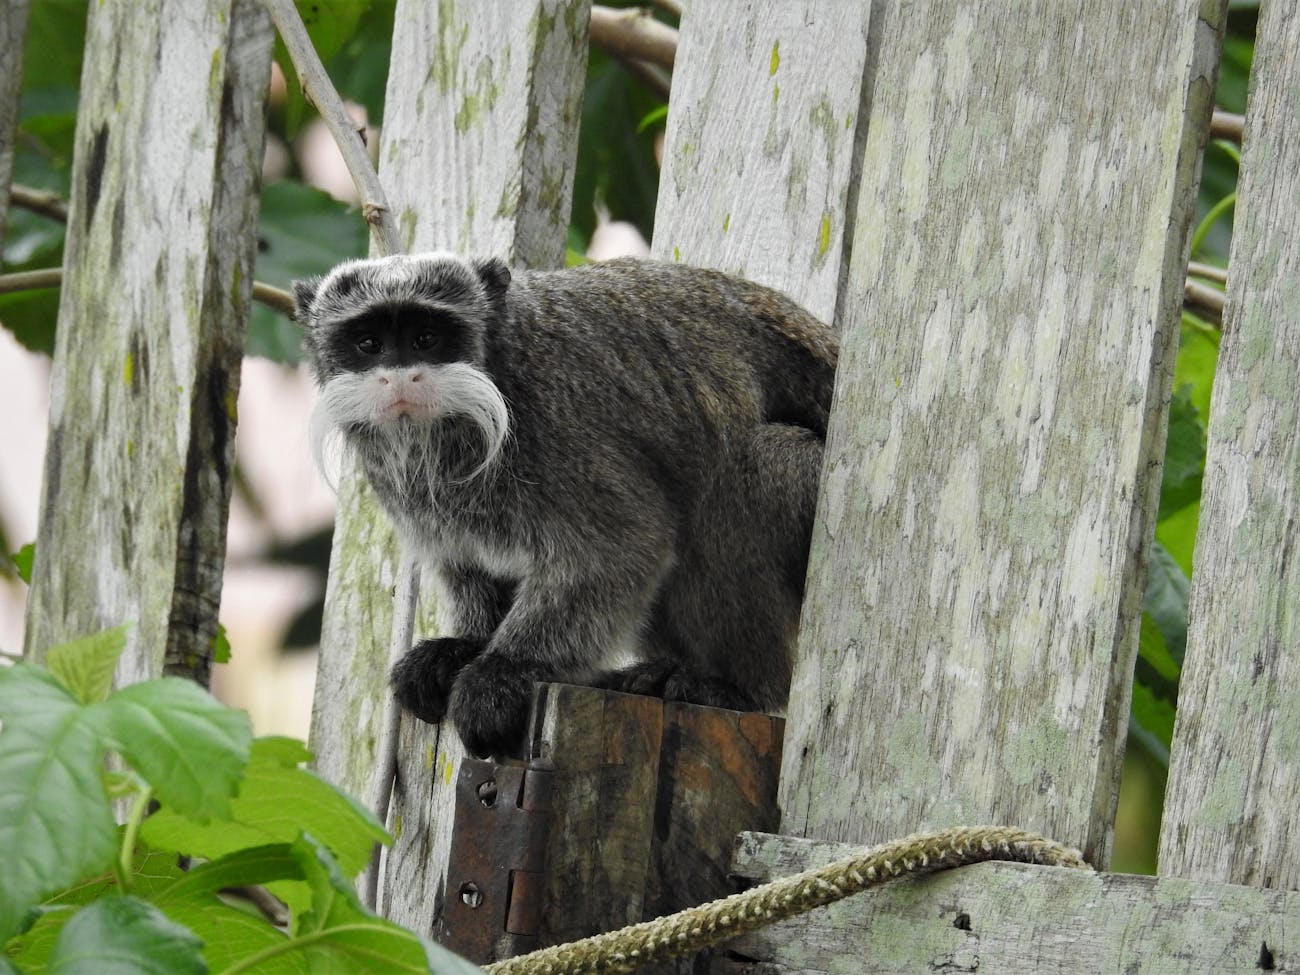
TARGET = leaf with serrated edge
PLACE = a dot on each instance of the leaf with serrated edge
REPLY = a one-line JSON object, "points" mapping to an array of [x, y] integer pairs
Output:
{"points": [[187, 745], [277, 801], [56, 825], [151, 871], [340, 935], [125, 936], [230, 933], [85, 666]]}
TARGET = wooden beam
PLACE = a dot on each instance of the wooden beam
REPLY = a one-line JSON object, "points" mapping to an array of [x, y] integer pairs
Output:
{"points": [[1010, 917]]}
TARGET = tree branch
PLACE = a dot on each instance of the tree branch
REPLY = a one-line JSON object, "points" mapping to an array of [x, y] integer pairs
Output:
{"points": [[1208, 271], [316, 83], [633, 35], [1203, 301], [1226, 125], [44, 202], [277, 299]]}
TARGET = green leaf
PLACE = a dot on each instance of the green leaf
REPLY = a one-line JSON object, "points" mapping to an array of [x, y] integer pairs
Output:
{"points": [[221, 646], [23, 562], [56, 35], [302, 231], [56, 825], [616, 165], [245, 868], [1155, 716], [150, 871], [1198, 358], [1177, 534], [339, 935], [85, 666], [230, 931], [329, 26], [1166, 600], [1184, 454], [277, 801], [125, 936], [187, 745]]}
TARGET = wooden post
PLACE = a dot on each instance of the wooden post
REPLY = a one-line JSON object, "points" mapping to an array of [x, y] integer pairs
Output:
{"points": [[477, 157], [1230, 810], [994, 452], [13, 32], [157, 281], [763, 130], [763, 134]]}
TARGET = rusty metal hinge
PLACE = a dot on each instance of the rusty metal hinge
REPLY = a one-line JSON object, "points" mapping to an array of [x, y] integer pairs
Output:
{"points": [[492, 904]]}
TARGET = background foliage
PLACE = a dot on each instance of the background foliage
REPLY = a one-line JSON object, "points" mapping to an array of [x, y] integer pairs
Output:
{"points": [[303, 231]]}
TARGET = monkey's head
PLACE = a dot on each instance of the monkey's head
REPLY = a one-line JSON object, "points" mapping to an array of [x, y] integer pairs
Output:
{"points": [[397, 346]]}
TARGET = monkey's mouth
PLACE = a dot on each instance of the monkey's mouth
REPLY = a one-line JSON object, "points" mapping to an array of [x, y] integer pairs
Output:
{"points": [[405, 409]]}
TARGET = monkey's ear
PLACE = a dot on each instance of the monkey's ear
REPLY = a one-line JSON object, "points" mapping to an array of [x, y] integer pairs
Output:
{"points": [[304, 293], [494, 274]]}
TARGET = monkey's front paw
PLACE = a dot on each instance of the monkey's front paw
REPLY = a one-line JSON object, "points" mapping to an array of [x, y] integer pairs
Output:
{"points": [[489, 704], [423, 678]]}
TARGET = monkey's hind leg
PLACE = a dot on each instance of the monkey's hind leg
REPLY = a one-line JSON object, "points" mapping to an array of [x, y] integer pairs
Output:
{"points": [[674, 680], [731, 609]]}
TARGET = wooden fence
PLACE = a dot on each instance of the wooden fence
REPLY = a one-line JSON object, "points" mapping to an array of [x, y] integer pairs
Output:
{"points": [[992, 203]]}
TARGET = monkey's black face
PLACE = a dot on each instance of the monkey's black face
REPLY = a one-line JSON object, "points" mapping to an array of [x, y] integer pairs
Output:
{"points": [[400, 336], [397, 348]]}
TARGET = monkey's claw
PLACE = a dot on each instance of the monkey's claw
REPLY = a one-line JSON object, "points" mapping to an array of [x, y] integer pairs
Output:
{"points": [[423, 678]]}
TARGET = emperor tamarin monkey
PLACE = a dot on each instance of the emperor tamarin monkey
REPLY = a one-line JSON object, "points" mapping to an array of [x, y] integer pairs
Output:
{"points": [[611, 456]]}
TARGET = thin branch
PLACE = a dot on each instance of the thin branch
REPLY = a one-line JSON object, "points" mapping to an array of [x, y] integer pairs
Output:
{"points": [[44, 202], [632, 35], [1204, 301], [40, 280], [323, 94], [1226, 125], [1208, 271], [277, 299]]}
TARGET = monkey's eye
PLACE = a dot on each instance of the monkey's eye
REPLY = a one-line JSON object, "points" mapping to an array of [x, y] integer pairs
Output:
{"points": [[370, 345], [425, 341]]}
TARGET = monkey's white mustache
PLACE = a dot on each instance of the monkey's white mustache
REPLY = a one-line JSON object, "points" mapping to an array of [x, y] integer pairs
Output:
{"points": [[403, 404]]}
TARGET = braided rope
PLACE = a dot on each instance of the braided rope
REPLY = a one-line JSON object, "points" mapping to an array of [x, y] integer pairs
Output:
{"points": [[709, 924]]}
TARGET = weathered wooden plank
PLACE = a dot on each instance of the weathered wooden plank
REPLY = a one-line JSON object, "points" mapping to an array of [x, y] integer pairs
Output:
{"points": [[605, 749], [1011, 917], [477, 156], [479, 138], [994, 454], [760, 148], [157, 280], [13, 33], [717, 777], [1231, 812]]}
